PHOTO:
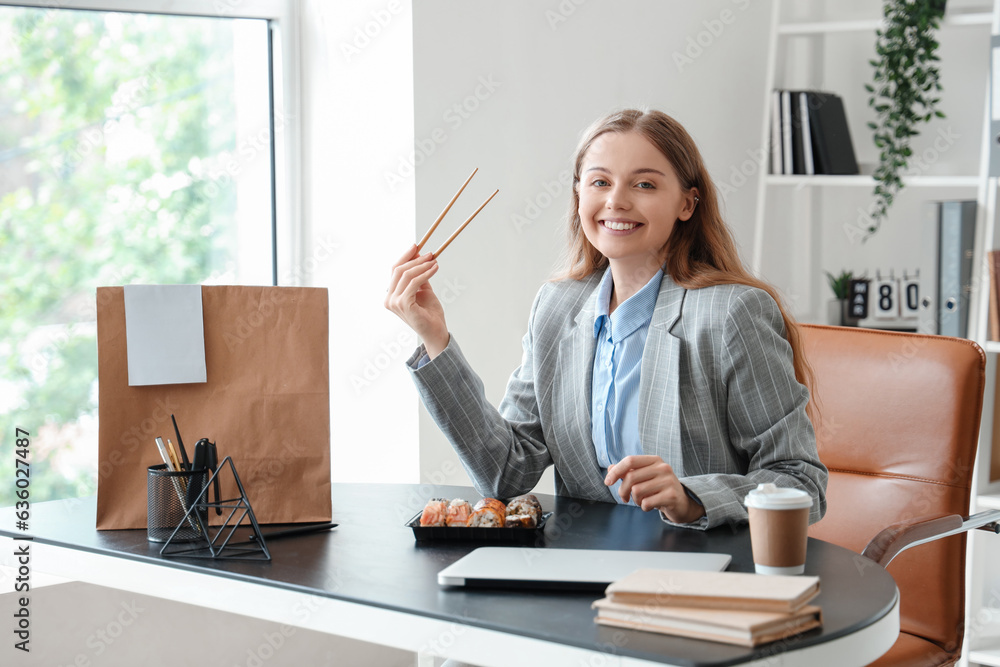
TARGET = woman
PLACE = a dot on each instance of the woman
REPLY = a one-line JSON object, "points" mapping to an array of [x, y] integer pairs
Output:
{"points": [[696, 378]]}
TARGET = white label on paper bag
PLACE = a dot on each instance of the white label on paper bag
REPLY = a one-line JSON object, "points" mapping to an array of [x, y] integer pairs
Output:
{"points": [[164, 334]]}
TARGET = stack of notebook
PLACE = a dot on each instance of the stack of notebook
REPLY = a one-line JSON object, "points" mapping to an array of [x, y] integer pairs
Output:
{"points": [[809, 134], [731, 607]]}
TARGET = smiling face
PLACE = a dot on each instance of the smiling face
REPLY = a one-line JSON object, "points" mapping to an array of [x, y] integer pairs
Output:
{"points": [[630, 200]]}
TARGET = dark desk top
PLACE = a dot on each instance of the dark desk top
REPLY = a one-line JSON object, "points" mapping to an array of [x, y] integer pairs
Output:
{"points": [[372, 559]]}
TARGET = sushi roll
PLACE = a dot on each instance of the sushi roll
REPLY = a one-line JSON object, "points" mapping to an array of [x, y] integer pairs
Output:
{"points": [[458, 512], [520, 521], [435, 512], [488, 513], [526, 504]]}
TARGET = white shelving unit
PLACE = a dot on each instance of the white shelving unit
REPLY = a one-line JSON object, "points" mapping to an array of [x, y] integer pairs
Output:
{"points": [[812, 197], [863, 181]]}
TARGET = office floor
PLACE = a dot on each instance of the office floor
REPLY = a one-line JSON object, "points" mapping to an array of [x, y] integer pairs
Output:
{"points": [[81, 625]]}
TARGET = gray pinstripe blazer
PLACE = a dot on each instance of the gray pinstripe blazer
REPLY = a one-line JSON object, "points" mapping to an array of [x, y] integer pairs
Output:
{"points": [[718, 400]]}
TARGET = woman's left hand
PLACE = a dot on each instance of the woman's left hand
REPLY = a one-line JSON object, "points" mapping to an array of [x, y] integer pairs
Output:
{"points": [[652, 484]]}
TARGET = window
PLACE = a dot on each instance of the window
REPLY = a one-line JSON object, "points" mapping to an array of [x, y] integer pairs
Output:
{"points": [[134, 148]]}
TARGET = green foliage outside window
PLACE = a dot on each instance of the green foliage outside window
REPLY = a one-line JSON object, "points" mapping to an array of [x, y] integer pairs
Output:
{"points": [[109, 124]]}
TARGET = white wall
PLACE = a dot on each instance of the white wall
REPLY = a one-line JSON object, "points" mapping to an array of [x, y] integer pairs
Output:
{"points": [[448, 85], [946, 147], [357, 87], [554, 67]]}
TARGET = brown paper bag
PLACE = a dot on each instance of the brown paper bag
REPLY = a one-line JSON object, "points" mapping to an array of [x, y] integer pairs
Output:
{"points": [[266, 404]]}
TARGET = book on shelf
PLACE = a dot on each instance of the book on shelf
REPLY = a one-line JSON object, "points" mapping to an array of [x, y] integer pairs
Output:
{"points": [[776, 162], [714, 590], [805, 135], [814, 135], [786, 133], [831, 136], [798, 146], [731, 626]]}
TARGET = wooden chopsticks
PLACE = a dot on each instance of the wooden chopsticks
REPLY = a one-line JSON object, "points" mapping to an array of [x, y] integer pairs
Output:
{"points": [[447, 208]]}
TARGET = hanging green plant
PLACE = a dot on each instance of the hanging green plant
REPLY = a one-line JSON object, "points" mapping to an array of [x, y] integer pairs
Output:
{"points": [[905, 91]]}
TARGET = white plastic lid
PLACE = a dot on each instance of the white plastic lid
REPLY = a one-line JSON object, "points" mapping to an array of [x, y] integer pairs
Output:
{"points": [[772, 497]]}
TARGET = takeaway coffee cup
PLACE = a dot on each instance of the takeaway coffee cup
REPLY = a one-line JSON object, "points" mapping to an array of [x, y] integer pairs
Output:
{"points": [[779, 519]]}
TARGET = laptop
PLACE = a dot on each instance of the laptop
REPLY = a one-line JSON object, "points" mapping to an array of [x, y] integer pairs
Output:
{"points": [[567, 569]]}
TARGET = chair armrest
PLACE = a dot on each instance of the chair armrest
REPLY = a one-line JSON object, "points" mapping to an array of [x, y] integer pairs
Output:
{"points": [[901, 536]]}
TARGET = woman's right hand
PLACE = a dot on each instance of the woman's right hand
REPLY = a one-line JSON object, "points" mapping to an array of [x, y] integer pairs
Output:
{"points": [[411, 297]]}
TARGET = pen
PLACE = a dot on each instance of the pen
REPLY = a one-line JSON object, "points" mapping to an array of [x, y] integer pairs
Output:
{"points": [[196, 487], [173, 456], [213, 463], [301, 530], [180, 445], [180, 485], [206, 457], [164, 454]]}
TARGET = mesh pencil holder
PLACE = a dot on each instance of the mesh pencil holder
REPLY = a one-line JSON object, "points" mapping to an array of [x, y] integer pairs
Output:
{"points": [[169, 495]]}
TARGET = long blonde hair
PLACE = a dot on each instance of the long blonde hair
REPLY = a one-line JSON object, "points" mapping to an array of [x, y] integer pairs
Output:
{"points": [[702, 251]]}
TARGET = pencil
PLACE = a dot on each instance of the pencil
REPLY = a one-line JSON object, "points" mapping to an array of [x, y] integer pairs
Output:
{"points": [[180, 484], [174, 459]]}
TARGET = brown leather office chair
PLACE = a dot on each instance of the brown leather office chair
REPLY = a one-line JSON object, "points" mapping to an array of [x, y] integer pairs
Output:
{"points": [[898, 427]]}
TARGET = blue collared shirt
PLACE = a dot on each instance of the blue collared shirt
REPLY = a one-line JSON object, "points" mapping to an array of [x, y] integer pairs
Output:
{"points": [[621, 338]]}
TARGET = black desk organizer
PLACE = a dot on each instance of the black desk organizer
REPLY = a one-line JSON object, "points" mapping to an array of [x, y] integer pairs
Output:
{"points": [[219, 545]]}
